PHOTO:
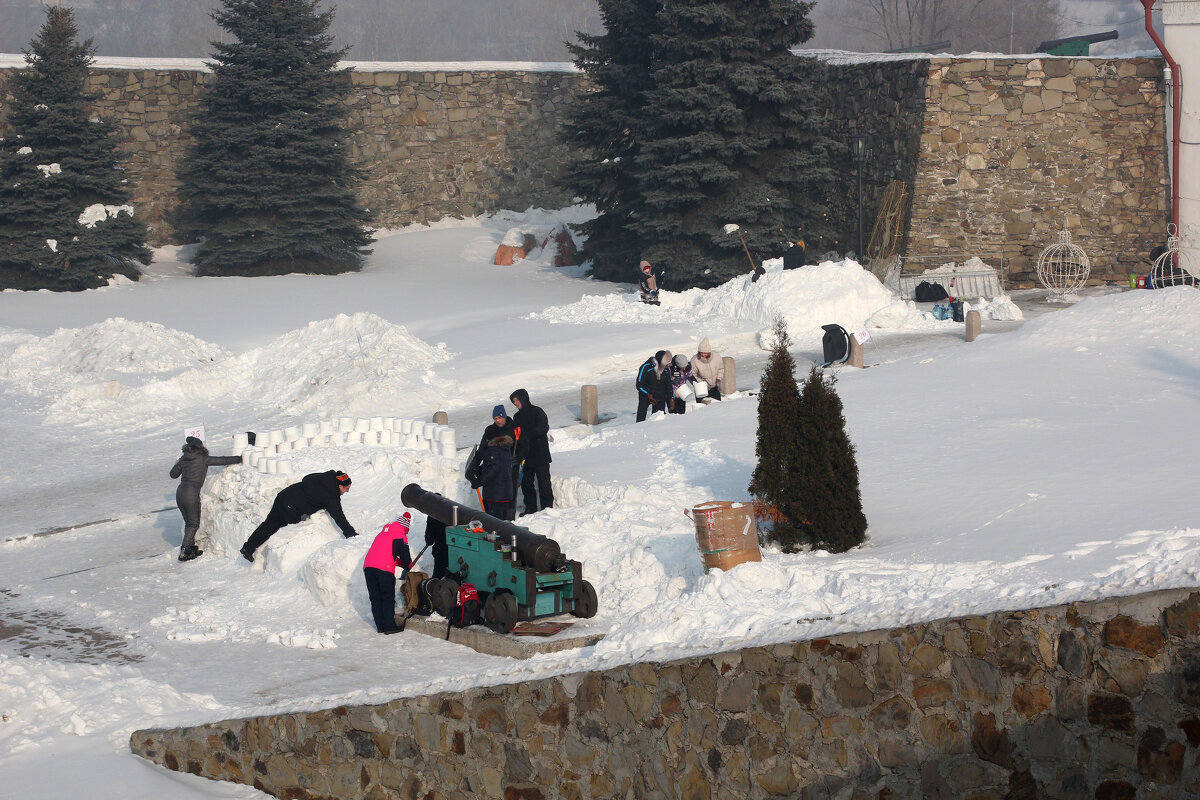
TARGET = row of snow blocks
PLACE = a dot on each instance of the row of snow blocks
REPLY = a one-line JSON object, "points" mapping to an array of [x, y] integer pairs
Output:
{"points": [[410, 434], [589, 405], [974, 322]]}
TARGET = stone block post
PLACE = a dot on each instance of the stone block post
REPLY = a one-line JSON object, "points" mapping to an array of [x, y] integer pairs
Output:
{"points": [[973, 324], [855, 359], [728, 385], [441, 418], [589, 405]]}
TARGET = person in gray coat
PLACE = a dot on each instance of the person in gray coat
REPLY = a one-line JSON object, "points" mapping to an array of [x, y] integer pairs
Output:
{"points": [[193, 466]]}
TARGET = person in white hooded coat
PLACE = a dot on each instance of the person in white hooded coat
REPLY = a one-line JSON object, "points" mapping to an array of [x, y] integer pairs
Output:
{"points": [[709, 367]]}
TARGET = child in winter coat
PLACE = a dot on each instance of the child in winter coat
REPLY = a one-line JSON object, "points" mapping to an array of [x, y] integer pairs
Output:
{"points": [[681, 375], [388, 551], [192, 469], [495, 477]]}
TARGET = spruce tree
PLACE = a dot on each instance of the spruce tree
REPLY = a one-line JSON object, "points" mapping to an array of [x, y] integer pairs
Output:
{"points": [[734, 137], [65, 222], [775, 481], [267, 183], [827, 470], [606, 125]]}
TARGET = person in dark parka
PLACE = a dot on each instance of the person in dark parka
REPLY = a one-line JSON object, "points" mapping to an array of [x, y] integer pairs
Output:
{"points": [[314, 492], [502, 425], [495, 477], [192, 468], [653, 384], [533, 447]]}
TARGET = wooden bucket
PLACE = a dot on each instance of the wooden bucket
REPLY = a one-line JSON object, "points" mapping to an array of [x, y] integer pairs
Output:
{"points": [[725, 533]]}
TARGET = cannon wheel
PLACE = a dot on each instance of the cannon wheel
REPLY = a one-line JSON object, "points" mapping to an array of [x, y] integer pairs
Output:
{"points": [[586, 604], [444, 596], [500, 612]]}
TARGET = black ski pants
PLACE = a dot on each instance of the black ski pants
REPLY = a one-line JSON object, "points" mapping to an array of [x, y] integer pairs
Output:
{"points": [[381, 588]]}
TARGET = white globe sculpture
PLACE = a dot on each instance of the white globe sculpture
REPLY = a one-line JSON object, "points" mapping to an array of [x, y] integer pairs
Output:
{"points": [[1063, 268], [1175, 267]]}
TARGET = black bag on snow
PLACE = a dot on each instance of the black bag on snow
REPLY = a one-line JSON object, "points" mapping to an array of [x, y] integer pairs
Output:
{"points": [[424, 605], [835, 344], [927, 292]]}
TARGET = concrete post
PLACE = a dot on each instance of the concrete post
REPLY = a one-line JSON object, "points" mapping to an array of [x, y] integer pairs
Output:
{"points": [[589, 405], [855, 359], [973, 324], [441, 418], [728, 385]]}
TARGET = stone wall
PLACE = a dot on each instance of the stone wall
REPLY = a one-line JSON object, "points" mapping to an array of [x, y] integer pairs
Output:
{"points": [[1096, 700], [998, 153], [431, 143], [1013, 149]]}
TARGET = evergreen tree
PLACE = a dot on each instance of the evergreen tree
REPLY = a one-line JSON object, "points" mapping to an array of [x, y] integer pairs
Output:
{"points": [[734, 137], [774, 483], [827, 470], [607, 125], [701, 117], [64, 219], [267, 183]]}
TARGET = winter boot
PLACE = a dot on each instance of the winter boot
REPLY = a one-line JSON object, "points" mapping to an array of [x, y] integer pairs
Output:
{"points": [[247, 554], [190, 553]]}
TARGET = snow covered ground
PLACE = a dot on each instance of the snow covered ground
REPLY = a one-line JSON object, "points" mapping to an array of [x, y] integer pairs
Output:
{"points": [[1046, 462]]}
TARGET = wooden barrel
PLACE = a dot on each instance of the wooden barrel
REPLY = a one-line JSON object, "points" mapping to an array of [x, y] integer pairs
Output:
{"points": [[725, 533]]}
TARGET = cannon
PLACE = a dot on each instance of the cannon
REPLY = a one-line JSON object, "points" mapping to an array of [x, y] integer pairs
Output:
{"points": [[519, 574]]}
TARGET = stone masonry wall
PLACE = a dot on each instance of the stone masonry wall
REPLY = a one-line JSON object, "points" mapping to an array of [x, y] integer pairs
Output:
{"points": [[998, 152], [1097, 700], [1014, 149], [431, 143]]}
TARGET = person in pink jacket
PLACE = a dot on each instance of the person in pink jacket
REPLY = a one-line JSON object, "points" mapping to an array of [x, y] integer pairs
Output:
{"points": [[388, 551]]}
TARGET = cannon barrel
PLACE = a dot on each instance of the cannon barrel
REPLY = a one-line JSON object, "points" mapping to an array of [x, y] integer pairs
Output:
{"points": [[534, 550]]}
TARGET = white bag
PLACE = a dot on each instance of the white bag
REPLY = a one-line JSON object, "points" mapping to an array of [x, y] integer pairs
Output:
{"points": [[685, 393]]}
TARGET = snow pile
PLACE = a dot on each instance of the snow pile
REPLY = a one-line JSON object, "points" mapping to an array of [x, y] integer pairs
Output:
{"points": [[347, 364], [118, 348], [831, 292]]}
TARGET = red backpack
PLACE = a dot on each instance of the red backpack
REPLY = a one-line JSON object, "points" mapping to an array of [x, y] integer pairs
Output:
{"points": [[466, 607]]}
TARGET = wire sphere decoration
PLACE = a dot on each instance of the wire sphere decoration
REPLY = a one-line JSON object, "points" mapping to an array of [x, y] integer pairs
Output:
{"points": [[1063, 268], [1175, 267]]}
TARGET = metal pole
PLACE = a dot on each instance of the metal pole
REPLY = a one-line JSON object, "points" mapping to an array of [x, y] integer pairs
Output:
{"points": [[861, 257]]}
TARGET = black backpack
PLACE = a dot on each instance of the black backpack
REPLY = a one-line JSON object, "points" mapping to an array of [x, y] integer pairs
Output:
{"points": [[927, 292]]}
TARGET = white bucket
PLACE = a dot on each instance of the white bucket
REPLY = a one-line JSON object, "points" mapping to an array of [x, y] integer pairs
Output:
{"points": [[701, 388], [276, 437], [240, 442], [685, 393]]}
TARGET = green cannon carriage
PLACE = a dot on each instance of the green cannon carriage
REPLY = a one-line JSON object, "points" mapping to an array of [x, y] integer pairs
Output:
{"points": [[519, 574]]}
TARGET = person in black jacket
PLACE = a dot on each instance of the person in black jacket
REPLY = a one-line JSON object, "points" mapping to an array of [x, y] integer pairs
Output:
{"points": [[653, 384], [502, 425], [650, 281], [193, 467], [316, 491], [793, 257], [494, 480], [533, 448]]}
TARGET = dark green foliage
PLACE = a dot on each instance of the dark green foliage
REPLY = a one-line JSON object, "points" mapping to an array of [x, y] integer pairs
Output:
{"points": [[828, 471], [607, 124], [715, 122], [267, 183], [56, 163], [806, 479], [774, 481]]}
